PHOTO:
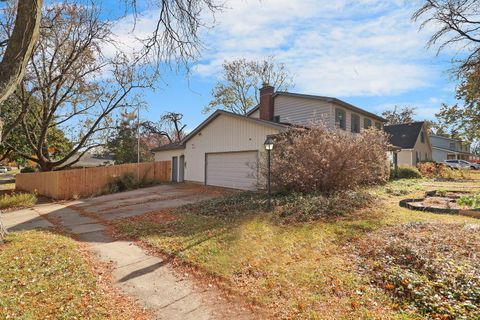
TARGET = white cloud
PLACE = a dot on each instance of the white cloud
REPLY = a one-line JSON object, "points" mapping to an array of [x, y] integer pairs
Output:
{"points": [[338, 48]]}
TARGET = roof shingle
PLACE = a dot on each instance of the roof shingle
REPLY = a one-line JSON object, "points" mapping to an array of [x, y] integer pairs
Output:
{"points": [[404, 135]]}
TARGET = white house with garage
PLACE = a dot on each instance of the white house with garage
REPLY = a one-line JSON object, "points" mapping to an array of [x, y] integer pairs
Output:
{"points": [[225, 149]]}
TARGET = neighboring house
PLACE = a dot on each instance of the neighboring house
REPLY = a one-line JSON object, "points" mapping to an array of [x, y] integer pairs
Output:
{"points": [[224, 149], [413, 141], [451, 149], [92, 160]]}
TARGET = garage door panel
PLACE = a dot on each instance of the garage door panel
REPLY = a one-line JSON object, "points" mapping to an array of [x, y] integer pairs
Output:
{"points": [[232, 169]]}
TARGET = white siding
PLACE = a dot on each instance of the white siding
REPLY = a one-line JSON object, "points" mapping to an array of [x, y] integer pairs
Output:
{"points": [[424, 149], [224, 134], [167, 155], [303, 111], [439, 155], [255, 114], [405, 158]]}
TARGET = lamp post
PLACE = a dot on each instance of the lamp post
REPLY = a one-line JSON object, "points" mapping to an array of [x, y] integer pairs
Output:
{"points": [[269, 147]]}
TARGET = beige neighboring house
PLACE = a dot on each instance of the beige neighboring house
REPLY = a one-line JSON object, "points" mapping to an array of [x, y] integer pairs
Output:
{"points": [[225, 149], [413, 141]]}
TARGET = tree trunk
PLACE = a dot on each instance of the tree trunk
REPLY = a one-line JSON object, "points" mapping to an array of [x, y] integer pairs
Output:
{"points": [[20, 46]]}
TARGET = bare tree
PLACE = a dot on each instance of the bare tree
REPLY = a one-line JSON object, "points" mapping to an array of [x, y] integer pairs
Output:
{"points": [[70, 84], [175, 36], [399, 115], [457, 23], [19, 45], [237, 90], [169, 126]]}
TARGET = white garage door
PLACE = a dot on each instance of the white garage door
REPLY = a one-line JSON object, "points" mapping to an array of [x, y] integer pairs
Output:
{"points": [[236, 170]]}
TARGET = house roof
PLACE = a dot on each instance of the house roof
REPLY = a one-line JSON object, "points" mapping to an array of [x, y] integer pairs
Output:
{"points": [[170, 146], [213, 116], [404, 135], [322, 98], [91, 160]]}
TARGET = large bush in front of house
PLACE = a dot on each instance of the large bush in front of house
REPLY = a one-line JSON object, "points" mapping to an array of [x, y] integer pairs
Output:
{"points": [[405, 172], [320, 160]]}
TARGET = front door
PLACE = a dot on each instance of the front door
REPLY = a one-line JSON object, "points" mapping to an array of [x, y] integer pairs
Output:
{"points": [[181, 169], [174, 169]]}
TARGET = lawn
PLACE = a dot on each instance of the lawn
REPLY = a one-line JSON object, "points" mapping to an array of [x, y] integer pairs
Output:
{"points": [[321, 269], [45, 275], [17, 200]]}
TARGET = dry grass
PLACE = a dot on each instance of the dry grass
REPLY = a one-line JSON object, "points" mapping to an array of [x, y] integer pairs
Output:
{"points": [[300, 270], [17, 200], [47, 276]]}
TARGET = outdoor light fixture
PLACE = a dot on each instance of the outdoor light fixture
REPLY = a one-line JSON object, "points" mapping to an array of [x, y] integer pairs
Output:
{"points": [[269, 147], [268, 144]]}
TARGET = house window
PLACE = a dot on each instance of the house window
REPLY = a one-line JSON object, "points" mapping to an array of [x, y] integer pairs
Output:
{"points": [[355, 123], [341, 119], [378, 125], [452, 145], [276, 119], [367, 123], [422, 137]]}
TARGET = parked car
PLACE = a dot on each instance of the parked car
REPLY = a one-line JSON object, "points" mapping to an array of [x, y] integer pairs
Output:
{"points": [[3, 169], [462, 164]]}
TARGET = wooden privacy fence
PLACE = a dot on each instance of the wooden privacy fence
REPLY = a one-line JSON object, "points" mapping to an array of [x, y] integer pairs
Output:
{"points": [[69, 184]]}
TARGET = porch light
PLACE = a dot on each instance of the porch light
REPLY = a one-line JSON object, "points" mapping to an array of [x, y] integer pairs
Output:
{"points": [[269, 147], [268, 144]]}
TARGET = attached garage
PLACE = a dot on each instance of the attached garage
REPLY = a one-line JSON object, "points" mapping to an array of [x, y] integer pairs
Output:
{"points": [[238, 170], [222, 151]]}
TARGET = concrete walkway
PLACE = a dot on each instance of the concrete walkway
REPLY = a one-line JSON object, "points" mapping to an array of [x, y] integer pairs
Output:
{"points": [[149, 279]]}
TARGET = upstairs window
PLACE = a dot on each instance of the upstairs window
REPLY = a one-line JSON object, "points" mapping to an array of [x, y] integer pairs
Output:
{"points": [[355, 123], [378, 125], [341, 119], [422, 137], [276, 119], [367, 123]]}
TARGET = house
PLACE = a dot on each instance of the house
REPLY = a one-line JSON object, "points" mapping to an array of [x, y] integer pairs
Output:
{"points": [[413, 142], [445, 148], [88, 160], [224, 150]]}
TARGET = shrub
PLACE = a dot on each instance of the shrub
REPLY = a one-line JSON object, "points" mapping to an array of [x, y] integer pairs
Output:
{"points": [[27, 170], [304, 208], [292, 207], [320, 160], [430, 169], [16, 200], [124, 182], [472, 201], [407, 173]]}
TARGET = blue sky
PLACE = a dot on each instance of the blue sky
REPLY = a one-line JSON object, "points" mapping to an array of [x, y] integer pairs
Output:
{"points": [[366, 52]]}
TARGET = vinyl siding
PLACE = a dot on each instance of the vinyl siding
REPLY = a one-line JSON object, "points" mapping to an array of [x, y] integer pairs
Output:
{"points": [[224, 134], [255, 114], [405, 158], [167, 155], [422, 148], [303, 111], [439, 155]]}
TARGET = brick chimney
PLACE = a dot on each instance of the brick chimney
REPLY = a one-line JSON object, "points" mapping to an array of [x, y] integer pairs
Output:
{"points": [[266, 102]]}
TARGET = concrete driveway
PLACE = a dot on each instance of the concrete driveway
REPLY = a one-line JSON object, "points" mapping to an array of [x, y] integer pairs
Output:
{"points": [[148, 279]]}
